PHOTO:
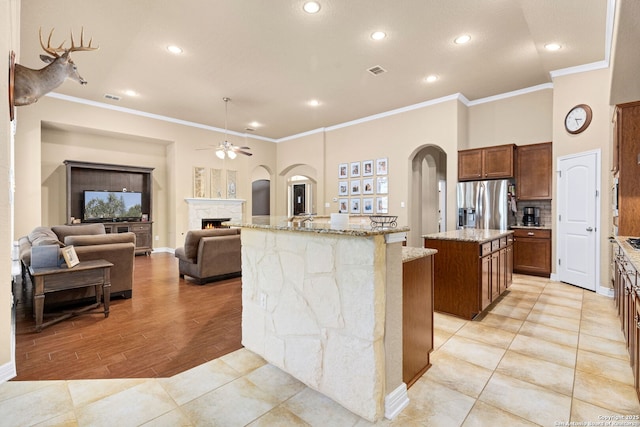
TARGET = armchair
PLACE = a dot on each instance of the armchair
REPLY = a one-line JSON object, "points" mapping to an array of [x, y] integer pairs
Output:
{"points": [[209, 255]]}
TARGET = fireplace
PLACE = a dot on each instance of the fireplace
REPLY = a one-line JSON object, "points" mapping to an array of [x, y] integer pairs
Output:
{"points": [[200, 208], [214, 223]]}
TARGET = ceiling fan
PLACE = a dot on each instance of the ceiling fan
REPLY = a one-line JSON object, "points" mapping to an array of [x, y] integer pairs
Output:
{"points": [[225, 148]]}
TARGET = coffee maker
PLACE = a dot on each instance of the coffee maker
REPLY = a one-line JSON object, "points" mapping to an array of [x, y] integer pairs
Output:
{"points": [[531, 216]]}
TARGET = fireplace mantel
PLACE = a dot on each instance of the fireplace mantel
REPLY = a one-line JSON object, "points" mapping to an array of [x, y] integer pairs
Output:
{"points": [[200, 208]]}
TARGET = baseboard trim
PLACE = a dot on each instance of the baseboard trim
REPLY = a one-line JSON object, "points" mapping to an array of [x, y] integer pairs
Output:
{"points": [[607, 292], [396, 401], [169, 250], [8, 371]]}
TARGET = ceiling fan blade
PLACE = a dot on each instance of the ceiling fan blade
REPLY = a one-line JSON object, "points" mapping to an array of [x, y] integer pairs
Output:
{"points": [[201, 149], [243, 152], [245, 148]]}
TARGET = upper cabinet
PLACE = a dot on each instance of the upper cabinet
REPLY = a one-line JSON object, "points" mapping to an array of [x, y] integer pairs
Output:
{"points": [[628, 140], [534, 172], [486, 163]]}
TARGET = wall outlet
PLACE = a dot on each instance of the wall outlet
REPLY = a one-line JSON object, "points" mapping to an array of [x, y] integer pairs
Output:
{"points": [[263, 300], [402, 204], [157, 238], [327, 205]]}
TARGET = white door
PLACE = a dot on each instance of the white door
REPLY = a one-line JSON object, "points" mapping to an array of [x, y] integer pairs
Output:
{"points": [[578, 219]]}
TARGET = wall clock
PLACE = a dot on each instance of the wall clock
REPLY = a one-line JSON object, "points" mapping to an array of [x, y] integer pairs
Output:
{"points": [[578, 119]]}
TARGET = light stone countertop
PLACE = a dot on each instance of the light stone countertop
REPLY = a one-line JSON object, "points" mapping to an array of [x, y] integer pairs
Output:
{"points": [[469, 235], [284, 224], [411, 253], [632, 253], [532, 227]]}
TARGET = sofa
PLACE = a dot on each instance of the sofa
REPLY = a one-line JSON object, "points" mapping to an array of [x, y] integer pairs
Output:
{"points": [[90, 242], [210, 254]]}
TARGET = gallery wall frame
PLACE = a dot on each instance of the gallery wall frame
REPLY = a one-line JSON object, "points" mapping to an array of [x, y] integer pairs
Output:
{"points": [[199, 182]]}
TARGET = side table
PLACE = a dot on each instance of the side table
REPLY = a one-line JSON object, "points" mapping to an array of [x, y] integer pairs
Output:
{"points": [[88, 273]]}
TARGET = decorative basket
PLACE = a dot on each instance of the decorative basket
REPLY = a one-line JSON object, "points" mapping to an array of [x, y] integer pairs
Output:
{"points": [[383, 221]]}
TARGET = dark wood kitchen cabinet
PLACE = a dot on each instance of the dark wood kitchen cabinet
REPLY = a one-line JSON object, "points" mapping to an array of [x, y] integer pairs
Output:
{"points": [[469, 275], [627, 300], [627, 138], [534, 172], [486, 163], [417, 317], [532, 251]]}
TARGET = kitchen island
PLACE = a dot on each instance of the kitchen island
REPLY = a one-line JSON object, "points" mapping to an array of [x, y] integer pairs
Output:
{"points": [[472, 269], [325, 305]]}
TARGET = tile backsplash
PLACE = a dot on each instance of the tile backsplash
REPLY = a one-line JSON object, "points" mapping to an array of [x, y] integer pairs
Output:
{"points": [[545, 211]]}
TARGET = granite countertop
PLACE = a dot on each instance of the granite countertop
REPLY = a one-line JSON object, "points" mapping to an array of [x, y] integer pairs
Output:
{"points": [[411, 253], [632, 253], [469, 235], [283, 223], [532, 227]]}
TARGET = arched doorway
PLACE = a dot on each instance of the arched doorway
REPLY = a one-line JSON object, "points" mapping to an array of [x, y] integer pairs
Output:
{"points": [[260, 191], [428, 181], [301, 189]]}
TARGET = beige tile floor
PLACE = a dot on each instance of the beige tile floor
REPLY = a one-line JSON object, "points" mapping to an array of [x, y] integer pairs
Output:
{"points": [[547, 353]]}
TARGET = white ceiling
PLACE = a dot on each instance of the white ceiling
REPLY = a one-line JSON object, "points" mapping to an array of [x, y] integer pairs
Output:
{"points": [[271, 58]]}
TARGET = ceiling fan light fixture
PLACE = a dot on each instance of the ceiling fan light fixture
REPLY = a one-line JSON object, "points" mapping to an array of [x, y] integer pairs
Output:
{"points": [[220, 154], [232, 155]]}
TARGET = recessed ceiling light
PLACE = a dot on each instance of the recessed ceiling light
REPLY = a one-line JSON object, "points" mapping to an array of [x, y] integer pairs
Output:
{"points": [[314, 103], [130, 92], [552, 46], [174, 49], [430, 79], [311, 7], [255, 124], [378, 35], [462, 39]]}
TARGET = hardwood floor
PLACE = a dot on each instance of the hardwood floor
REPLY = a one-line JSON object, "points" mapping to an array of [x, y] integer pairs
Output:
{"points": [[170, 325]]}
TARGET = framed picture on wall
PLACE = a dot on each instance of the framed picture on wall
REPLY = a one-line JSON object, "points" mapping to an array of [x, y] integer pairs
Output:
{"points": [[367, 168], [367, 205], [383, 185], [343, 206], [355, 187], [382, 166], [199, 182], [343, 171], [343, 188], [382, 205], [355, 206], [367, 186], [355, 169], [216, 184]]}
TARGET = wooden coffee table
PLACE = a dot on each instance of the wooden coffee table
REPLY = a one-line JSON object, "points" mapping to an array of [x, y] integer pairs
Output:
{"points": [[88, 273]]}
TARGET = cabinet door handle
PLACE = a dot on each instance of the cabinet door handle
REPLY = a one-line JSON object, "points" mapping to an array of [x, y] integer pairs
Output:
{"points": [[589, 228], [531, 233]]}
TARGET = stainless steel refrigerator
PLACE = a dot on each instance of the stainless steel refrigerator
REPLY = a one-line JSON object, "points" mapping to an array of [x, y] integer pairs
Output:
{"points": [[484, 204]]}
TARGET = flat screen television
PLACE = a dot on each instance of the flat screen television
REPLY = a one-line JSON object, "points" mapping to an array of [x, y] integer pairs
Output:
{"points": [[112, 206]]}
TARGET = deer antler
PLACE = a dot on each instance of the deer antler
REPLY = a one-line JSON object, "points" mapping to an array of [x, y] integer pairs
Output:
{"points": [[55, 51], [75, 48]]}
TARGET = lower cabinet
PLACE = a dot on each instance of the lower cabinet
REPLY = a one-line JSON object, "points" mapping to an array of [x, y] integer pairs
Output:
{"points": [[468, 275], [532, 251], [142, 231], [417, 317], [626, 287]]}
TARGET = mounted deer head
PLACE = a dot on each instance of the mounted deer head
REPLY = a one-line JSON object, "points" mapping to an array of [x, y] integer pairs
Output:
{"points": [[30, 84]]}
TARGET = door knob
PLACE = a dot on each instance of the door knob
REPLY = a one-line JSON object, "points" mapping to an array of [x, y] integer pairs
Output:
{"points": [[589, 229]]}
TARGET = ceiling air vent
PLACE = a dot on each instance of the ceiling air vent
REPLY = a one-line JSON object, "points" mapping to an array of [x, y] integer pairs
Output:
{"points": [[377, 70], [112, 97]]}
